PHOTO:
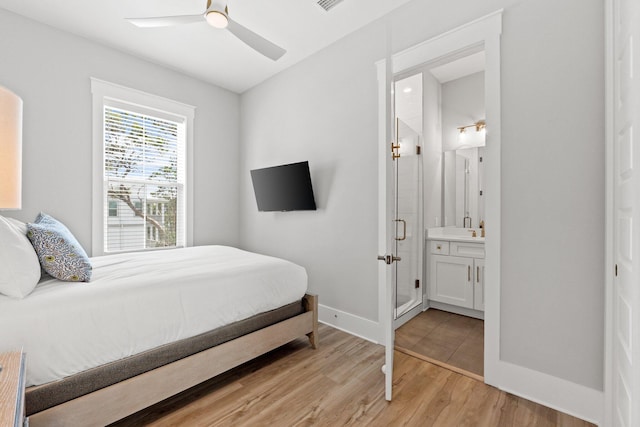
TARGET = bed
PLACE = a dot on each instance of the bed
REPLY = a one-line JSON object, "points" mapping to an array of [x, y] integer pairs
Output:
{"points": [[149, 325]]}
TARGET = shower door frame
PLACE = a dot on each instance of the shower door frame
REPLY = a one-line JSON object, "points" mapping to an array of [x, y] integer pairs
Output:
{"points": [[415, 227]]}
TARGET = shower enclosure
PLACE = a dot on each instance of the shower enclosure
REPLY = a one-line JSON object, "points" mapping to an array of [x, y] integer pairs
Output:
{"points": [[408, 197]]}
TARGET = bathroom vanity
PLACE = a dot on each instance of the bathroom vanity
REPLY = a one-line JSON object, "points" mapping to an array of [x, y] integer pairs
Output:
{"points": [[455, 270]]}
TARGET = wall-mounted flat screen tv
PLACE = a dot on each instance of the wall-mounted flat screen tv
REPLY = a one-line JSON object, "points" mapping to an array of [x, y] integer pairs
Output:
{"points": [[284, 188]]}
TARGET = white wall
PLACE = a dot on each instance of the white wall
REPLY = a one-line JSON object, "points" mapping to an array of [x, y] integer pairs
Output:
{"points": [[432, 154], [553, 178], [50, 70], [324, 110]]}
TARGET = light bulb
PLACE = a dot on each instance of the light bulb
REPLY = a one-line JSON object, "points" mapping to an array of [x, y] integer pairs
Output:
{"points": [[217, 19]]}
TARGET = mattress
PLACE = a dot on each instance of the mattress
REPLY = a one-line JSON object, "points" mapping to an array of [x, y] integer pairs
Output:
{"points": [[139, 301], [54, 393]]}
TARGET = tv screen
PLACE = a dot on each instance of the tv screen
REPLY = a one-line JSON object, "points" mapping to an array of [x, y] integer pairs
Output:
{"points": [[284, 188]]}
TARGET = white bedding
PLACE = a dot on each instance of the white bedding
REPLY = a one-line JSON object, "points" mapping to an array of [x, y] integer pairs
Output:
{"points": [[138, 301]]}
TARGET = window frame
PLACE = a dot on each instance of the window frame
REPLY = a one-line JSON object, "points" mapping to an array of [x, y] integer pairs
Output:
{"points": [[105, 93], [112, 209]]}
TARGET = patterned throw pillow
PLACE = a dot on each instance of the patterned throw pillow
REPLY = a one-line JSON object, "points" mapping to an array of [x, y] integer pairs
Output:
{"points": [[59, 252]]}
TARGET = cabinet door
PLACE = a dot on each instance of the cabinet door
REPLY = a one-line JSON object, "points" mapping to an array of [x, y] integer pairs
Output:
{"points": [[451, 280], [478, 285]]}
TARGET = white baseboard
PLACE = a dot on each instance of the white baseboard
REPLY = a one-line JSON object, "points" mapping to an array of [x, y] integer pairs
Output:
{"points": [[350, 323], [562, 395]]}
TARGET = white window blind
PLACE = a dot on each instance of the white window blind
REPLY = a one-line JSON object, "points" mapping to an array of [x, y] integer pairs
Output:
{"points": [[144, 178]]}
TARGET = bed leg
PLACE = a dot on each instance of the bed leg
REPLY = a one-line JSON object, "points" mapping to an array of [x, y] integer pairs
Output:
{"points": [[311, 304]]}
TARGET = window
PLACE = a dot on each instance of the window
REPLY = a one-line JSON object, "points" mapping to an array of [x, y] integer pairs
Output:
{"points": [[113, 208], [142, 173]]}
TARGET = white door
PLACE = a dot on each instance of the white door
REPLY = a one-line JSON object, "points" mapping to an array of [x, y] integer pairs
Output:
{"points": [[625, 369], [386, 224]]}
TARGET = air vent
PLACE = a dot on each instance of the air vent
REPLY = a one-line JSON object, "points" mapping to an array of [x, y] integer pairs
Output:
{"points": [[328, 4]]}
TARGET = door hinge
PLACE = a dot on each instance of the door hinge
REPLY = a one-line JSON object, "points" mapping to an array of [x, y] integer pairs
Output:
{"points": [[417, 283], [616, 270], [394, 150], [480, 159], [418, 150]]}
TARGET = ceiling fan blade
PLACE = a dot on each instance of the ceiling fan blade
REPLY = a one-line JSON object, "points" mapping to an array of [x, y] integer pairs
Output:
{"points": [[165, 21], [255, 41]]}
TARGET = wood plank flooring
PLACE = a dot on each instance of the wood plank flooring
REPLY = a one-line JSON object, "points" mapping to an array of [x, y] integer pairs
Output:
{"points": [[446, 339], [341, 384]]}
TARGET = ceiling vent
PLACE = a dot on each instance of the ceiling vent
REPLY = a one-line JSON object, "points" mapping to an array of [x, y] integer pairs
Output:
{"points": [[328, 4]]}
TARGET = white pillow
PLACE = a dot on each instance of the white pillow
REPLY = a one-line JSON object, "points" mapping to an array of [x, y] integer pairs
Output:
{"points": [[19, 265], [19, 225]]}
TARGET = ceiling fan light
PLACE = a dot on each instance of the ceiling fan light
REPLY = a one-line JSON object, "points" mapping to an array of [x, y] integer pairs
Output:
{"points": [[217, 19]]}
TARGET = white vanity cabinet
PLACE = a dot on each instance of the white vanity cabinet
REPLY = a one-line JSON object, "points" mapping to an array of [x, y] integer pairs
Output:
{"points": [[456, 274]]}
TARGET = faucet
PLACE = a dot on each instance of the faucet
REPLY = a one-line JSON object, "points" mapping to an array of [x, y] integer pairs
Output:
{"points": [[473, 233], [465, 220]]}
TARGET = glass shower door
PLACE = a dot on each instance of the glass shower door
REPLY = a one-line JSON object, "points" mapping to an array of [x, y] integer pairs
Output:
{"points": [[408, 201]]}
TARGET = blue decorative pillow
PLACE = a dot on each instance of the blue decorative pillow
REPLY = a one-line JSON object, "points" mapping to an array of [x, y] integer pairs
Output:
{"points": [[58, 251]]}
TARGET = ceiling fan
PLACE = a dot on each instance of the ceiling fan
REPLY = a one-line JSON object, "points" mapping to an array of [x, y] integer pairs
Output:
{"points": [[216, 15]]}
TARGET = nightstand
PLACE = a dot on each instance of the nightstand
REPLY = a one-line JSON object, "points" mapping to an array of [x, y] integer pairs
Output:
{"points": [[12, 382]]}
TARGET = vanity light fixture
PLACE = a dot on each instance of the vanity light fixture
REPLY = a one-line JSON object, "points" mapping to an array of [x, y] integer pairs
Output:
{"points": [[480, 125], [10, 150]]}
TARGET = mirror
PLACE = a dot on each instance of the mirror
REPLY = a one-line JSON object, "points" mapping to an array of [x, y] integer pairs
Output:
{"points": [[463, 139], [462, 189]]}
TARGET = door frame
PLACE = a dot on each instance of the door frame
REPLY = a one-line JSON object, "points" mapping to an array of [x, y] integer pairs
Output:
{"points": [[486, 32], [609, 65]]}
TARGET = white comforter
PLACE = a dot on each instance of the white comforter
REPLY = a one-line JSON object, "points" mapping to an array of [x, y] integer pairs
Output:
{"points": [[138, 301]]}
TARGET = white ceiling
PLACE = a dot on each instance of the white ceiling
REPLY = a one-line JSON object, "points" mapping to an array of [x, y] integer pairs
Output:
{"points": [[301, 27]]}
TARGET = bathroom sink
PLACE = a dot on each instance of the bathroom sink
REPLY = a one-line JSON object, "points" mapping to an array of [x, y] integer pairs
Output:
{"points": [[454, 234]]}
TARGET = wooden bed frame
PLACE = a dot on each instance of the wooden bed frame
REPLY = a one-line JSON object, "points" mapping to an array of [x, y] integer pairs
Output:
{"points": [[120, 400]]}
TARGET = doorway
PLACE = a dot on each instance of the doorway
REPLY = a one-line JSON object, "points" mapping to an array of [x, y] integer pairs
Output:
{"points": [[441, 106], [482, 34]]}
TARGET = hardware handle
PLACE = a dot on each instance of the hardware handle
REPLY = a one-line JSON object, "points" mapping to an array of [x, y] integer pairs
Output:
{"points": [[388, 259], [468, 273], [478, 274], [395, 145], [404, 229]]}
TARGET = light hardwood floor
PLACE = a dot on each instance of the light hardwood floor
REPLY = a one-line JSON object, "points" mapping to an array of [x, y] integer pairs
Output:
{"points": [[341, 384], [446, 339]]}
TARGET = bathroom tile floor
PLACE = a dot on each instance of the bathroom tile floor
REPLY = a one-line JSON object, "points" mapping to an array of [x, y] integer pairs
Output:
{"points": [[446, 339]]}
